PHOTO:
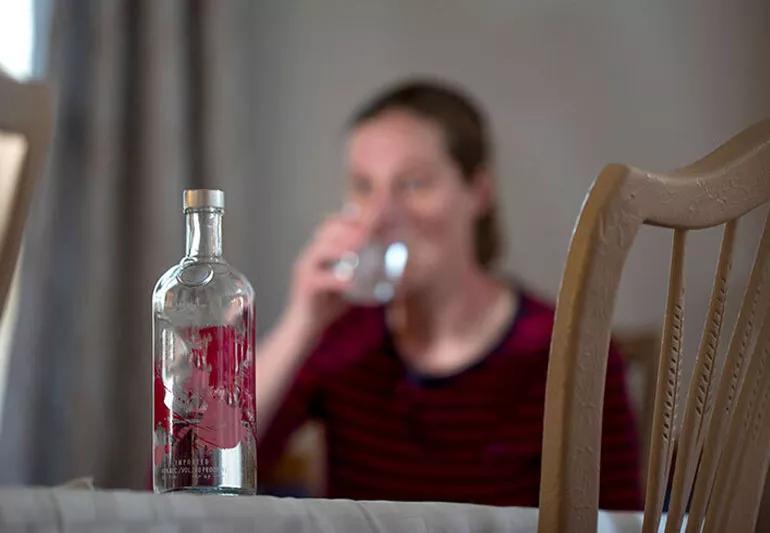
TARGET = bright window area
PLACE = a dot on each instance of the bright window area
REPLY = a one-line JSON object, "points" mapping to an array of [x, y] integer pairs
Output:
{"points": [[17, 37]]}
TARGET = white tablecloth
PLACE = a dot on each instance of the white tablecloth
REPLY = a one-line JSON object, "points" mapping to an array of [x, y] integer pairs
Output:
{"points": [[75, 510]]}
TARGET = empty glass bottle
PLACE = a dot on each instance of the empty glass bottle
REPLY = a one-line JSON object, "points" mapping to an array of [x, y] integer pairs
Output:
{"points": [[204, 425]]}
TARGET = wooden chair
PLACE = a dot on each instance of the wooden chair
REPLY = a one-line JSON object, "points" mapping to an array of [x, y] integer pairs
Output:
{"points": [[26, 123], [640, 356], [723, 442]]}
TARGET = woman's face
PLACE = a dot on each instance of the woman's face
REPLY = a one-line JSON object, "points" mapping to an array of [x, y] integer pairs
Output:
{"points": [[407, 186]]}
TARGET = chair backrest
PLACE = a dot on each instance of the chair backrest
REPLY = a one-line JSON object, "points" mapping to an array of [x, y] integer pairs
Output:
{"points": [[723, 440], [26, 123]]}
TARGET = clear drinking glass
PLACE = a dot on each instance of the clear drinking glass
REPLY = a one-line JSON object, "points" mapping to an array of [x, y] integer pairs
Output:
{"points": [[204, 431], [374, 271]]}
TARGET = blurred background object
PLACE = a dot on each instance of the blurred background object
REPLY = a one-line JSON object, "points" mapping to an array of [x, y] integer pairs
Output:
{"points": [[251, 97], [26, 125]]}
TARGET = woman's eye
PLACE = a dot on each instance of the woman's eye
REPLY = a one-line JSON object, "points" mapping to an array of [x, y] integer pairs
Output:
{"points": [[360, 186]]}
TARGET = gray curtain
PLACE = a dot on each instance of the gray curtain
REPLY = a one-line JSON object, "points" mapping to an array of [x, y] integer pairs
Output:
{"points": [[153, 96]]}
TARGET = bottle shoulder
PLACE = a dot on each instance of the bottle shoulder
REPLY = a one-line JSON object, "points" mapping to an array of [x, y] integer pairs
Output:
{"points": [[201, 280]]}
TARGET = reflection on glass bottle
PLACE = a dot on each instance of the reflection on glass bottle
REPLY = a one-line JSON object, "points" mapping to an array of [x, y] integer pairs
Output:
{"points": [[204, 421]]}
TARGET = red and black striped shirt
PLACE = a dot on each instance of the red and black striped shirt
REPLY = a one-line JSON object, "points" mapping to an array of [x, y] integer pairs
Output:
{"points": [[474, 436]]}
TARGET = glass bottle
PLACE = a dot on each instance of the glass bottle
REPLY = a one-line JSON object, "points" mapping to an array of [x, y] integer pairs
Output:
{"points": [[204, 425]]}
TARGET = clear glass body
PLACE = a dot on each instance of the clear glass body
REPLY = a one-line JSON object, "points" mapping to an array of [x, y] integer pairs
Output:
{"points": [[204, 424], [374, 271]]}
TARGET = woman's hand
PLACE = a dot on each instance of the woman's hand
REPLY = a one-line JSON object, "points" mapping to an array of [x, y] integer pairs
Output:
{"points": [[316, 297]]}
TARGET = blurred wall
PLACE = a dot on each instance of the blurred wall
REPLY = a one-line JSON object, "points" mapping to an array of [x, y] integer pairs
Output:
{"points": [[570, 86]]}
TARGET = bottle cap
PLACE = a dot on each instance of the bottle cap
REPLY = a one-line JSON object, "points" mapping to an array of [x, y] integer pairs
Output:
{"points": [[202, 199]]}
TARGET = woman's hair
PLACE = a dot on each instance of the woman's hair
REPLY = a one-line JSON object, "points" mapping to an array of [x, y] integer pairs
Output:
{"points": [[466, 138]]}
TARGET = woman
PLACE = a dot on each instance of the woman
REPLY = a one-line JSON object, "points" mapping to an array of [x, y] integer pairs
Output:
{"points": [[439, 394]]}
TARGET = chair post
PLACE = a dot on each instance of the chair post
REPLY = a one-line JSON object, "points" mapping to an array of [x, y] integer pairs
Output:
{"points": [[606, 228]]}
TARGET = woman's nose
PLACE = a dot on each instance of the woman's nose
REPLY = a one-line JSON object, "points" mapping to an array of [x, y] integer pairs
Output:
{"points": [[385, 215]]}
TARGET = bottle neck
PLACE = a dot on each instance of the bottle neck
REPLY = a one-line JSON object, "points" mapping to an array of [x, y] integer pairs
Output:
{"points": [[204, 233]]}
